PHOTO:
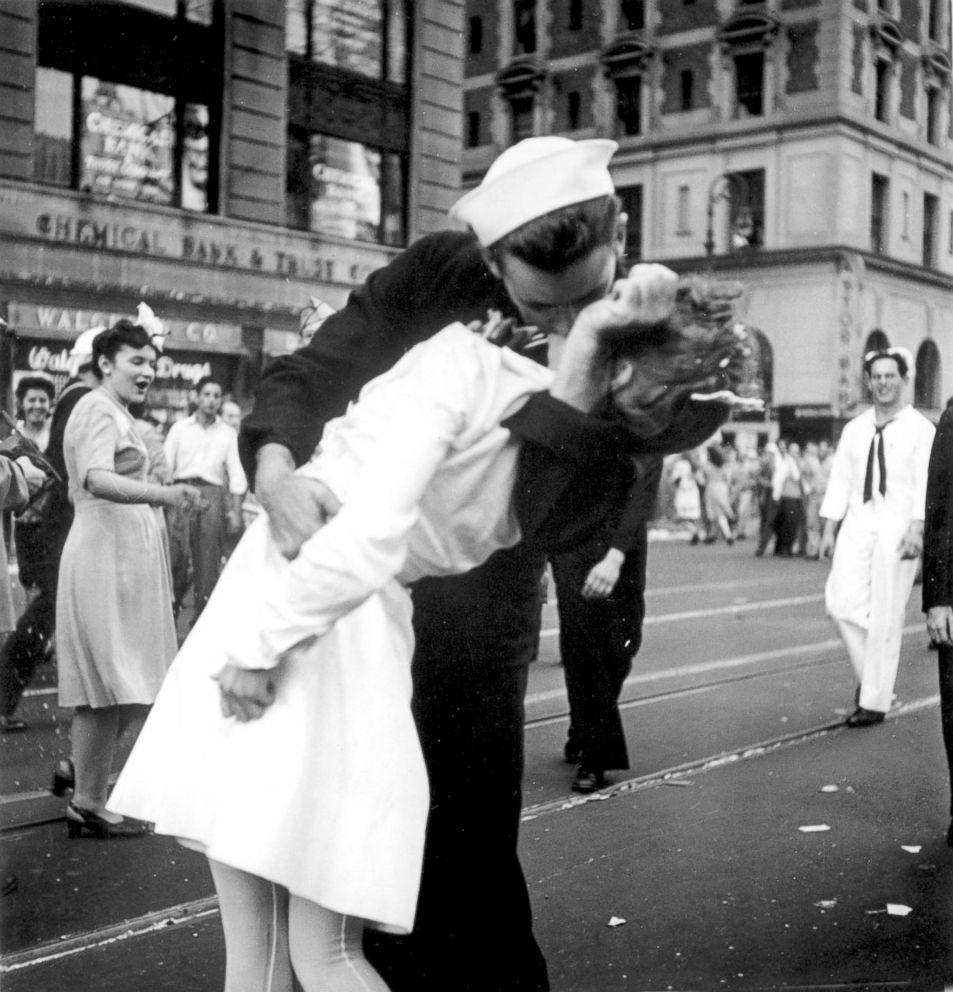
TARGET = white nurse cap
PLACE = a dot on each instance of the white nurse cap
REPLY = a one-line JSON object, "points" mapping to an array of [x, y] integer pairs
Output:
{"points": [[532, 178]]}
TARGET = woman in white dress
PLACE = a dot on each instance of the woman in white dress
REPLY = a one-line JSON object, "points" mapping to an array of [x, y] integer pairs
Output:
{"points": [[311, 805]]}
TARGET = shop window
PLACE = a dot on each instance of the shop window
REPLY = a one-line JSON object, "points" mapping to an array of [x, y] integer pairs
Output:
{"points": [[749, 84], [926, 384], [746, 213], [135, 116], [687, 86], [475, 35], [629, 104], [524, 27], [631, 197], [931, 215], [879, 193], [345, 189], [633, 14], [369, 38]]}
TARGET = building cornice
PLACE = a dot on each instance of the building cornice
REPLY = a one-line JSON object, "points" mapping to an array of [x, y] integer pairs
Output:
{"points": [[745, 261]]}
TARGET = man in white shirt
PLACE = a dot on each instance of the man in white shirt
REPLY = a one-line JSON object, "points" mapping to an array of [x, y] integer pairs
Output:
{"points": [[877, 490], [203, 450]]}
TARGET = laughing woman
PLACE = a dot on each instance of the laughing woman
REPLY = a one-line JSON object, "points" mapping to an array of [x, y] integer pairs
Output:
{"points": [[115, 633]]}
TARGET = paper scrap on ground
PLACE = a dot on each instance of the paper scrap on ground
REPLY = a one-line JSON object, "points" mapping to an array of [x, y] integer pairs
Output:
{"points": [[616, 921], [830, 788], [911, 848], [814, 828], [898, 909], [826, 903]]}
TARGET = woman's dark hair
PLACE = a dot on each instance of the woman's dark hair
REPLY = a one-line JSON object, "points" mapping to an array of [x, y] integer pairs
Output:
{"points": [[558, 239], [123, 334], [29, 382]]}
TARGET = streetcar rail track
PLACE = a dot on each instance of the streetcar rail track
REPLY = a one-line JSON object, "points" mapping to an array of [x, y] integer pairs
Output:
{"points": [[190, 913]]}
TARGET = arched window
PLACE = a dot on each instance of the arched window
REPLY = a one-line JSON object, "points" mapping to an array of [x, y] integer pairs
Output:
{"points": [[926, 386]]}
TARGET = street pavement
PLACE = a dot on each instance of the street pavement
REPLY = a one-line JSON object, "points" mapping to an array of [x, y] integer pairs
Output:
{"points": [[692, 871]]}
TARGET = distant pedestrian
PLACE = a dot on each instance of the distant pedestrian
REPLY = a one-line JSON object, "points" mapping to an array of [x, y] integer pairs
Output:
{"points": [[202, 451], [600, 592], [718, 503], [877, 493], [687, 497]]}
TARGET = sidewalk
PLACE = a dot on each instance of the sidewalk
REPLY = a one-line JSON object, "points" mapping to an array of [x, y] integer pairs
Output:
{"points": [[715, 885]]}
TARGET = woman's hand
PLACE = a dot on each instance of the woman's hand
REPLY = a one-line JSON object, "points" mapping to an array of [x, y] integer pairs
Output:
{"points": [[181, 496], [246, 692]]}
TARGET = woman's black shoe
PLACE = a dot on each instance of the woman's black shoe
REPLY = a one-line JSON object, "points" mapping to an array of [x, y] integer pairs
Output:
{"points": [[81, 821], [588, 780], [64, 777]]}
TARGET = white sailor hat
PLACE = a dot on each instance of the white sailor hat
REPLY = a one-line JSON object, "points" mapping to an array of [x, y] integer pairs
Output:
{"points": [[532, 178]]}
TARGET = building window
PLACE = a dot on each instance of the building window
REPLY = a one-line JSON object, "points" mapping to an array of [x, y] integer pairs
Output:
{"points": [[934, 105], [473, 129], [348, 138], [633, 14], [631, 197], [573, 109], [370, 38], [879, 189], [905, 215], [951, 233], [476, 36], [931, 215], [882, 91], [628, 103], [521, 109], [687, 85], [926, 385], [575, 15], [346, 189], [524, 27], [749, 84], [935, 28], [746, 219], [133, 123], [53, 134], [684, 211]]}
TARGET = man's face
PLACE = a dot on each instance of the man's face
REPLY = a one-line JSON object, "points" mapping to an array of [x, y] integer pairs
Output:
{"points": [[823, 449], [885, 382], [232, 414], [36, 407], [210, 399], [552, 300]]}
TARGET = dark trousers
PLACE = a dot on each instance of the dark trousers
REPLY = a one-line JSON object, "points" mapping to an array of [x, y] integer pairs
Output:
{"points": [[197, 538], [597, 640], [475, 637], [38, 554], [945, 662]]}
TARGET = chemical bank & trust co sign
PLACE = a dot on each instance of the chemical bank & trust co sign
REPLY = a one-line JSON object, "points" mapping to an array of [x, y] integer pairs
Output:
{"points": [[76, 221]]}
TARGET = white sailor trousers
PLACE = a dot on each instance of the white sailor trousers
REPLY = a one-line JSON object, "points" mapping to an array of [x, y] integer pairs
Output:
{"points": [[866, 597]]}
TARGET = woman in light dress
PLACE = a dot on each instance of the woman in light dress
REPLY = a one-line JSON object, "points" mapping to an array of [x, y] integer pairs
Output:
{"points": [[115, 637]]}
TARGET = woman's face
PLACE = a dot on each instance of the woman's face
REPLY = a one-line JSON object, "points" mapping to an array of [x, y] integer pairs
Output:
{"points": [[130, 373], [36, 407]]}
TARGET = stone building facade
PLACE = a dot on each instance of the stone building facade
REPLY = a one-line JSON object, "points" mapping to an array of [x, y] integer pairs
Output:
{"points": [[221, 160], [802, 146]]}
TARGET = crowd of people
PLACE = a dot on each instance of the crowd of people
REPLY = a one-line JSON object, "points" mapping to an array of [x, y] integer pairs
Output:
{"points": [[770, 495], [341, 732]]}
